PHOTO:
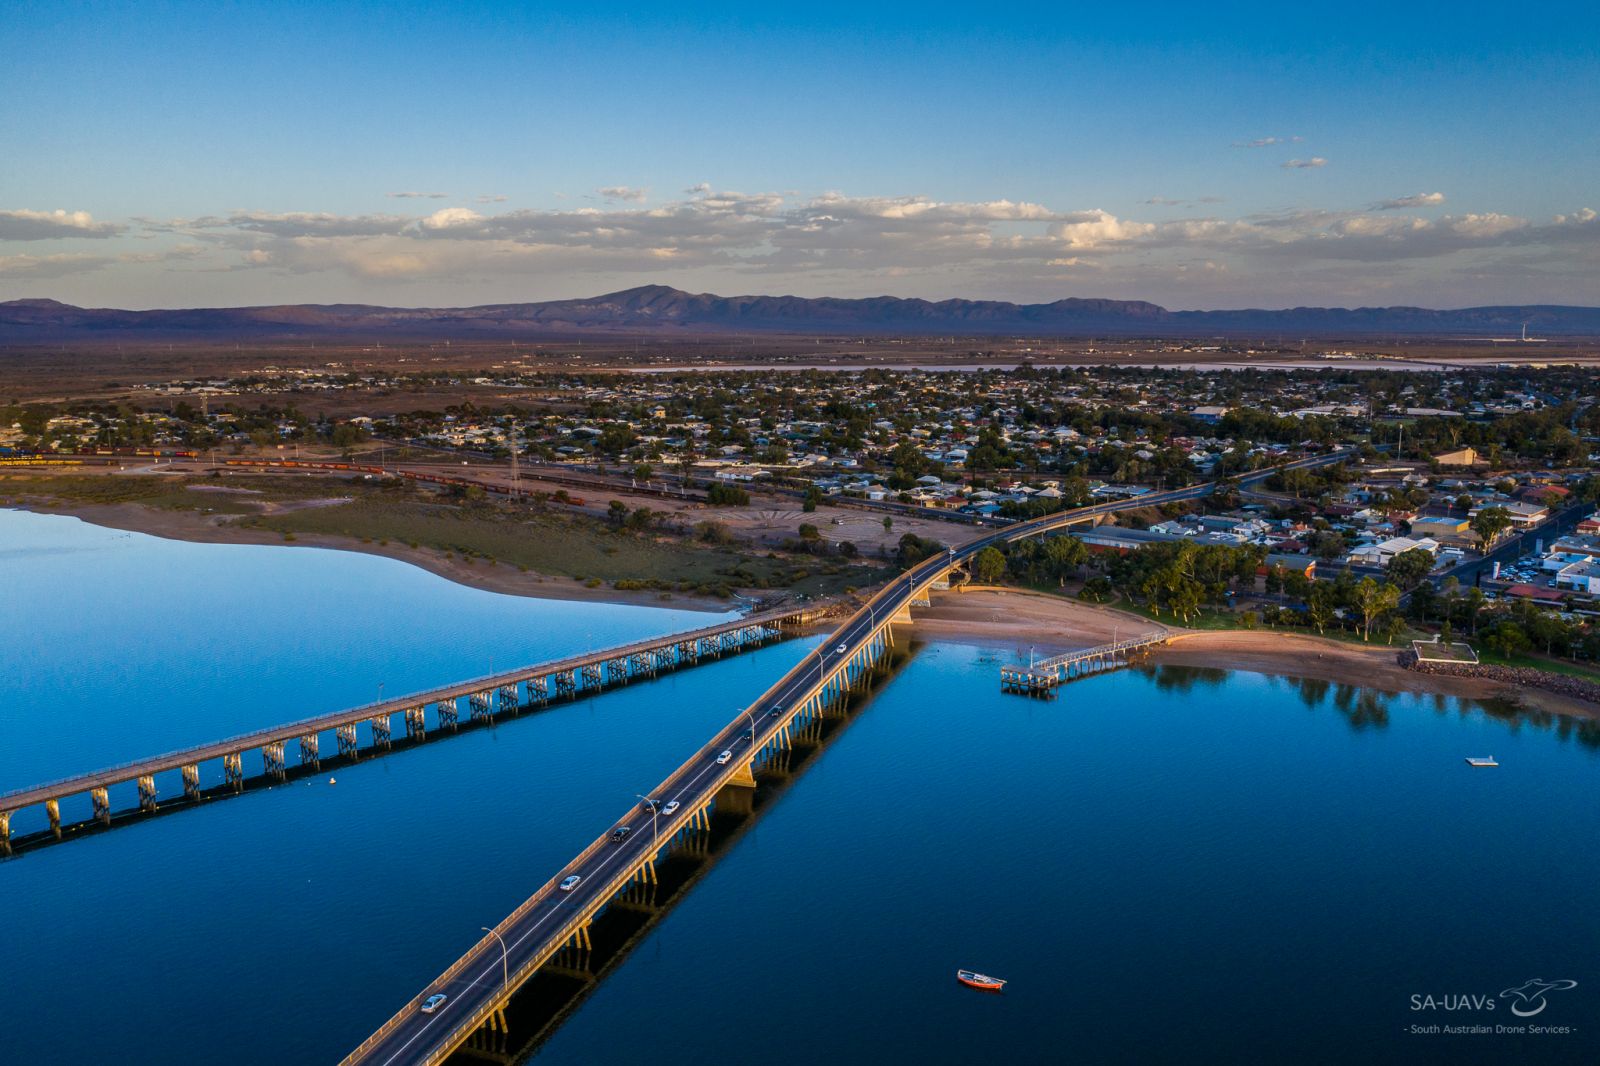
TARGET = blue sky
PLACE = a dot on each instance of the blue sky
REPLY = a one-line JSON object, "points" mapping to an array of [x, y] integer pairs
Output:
{"points": [[165, 154]]}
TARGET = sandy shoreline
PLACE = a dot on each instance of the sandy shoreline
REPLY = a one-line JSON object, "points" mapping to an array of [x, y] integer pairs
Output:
{"points": [[1017, 620], [1051, 624], [200, 528]]}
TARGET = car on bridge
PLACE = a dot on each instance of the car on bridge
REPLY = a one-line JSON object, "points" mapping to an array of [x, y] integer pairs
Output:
{"points": [[841, 649], [620, 834], [570, 883], [433, 1003], [670, 809], [725, 758]]}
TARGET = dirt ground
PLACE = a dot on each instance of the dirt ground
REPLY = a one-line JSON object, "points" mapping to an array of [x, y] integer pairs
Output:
{"points": [[1052, 624]]}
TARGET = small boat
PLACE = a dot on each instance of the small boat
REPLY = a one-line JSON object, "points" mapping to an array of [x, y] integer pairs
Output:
{"points": [[1487, 760], [978, 980], [333, 780]]}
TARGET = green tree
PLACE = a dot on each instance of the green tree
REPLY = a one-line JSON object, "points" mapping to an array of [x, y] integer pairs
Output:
{"points": [[1319, 605], [616, 513], [1374, 600], [888, 524], [988, 566], [1489, 523], [1410, 567], [812, 498]]}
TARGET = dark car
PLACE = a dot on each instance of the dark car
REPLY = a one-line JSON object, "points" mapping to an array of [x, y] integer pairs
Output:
{"points": [[620, 834]]}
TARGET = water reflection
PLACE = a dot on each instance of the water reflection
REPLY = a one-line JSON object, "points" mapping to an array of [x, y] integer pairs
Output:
{"points": [[1370, 709]]}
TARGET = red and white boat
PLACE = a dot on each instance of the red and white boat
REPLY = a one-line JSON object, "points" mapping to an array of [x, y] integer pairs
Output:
{"points": [[973, 979]]}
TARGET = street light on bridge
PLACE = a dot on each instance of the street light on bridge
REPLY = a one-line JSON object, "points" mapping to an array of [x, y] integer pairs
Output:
{"points": [[505, 966]]}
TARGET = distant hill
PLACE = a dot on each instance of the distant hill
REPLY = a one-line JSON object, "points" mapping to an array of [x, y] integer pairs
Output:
{"points": [[658, 308]]}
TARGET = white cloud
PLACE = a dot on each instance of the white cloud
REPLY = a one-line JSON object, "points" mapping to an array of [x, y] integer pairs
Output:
{"points": [[1421, 199], [1091, 229], [419, 195], [1304, 164], [624, 192], [1263, 142], [836, 242], [450, 217], [51, 266], [25, 225]]}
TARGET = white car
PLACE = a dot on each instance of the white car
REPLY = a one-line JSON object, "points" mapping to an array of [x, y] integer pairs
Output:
{"points": [[571, 883], [725, 758], [670, 809], [433, 1003], [841, 649]]}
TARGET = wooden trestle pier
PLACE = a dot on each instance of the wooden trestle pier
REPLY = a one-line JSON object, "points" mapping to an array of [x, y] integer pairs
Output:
{"points": [[1044, 677]]}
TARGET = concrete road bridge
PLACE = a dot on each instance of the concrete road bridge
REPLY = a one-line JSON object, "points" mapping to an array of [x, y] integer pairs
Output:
{"points": [[371, 729], [474, 990]]}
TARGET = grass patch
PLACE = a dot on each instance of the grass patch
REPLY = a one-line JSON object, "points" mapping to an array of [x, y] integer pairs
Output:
{"points": [[1539, 662], [561, 545]]}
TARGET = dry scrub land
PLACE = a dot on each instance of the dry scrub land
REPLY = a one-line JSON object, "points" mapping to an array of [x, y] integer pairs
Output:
{"points": [[485, 543]]}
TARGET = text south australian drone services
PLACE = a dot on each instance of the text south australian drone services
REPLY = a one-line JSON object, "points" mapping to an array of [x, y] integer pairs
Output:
{"points": [[1524, 1001]]}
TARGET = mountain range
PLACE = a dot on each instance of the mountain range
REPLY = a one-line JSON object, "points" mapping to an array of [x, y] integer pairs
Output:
{"points": [[661, 309]]}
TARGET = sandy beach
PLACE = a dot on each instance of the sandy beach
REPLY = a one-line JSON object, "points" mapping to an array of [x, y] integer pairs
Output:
{"points": [[1022, 620]]}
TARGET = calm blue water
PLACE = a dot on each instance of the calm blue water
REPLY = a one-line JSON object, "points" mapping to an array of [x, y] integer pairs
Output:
{"points": [[1184, 867]]}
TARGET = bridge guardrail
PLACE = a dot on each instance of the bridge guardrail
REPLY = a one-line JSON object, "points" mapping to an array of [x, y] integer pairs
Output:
{"points": [[319, 723]]}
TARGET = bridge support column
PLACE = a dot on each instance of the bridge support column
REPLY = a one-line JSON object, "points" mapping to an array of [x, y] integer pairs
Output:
{"points": [[5, 827], [380, 730], [345, 735], [616, 672], [745, 776], [309, 754], [147, 793], [417, 722], [566, 683], [102, 805], [591, 676], [538, 691], [272, 759], [52, 807], [507, 700], [233, 770], [449, 713], [191, 781], [478, 706]]}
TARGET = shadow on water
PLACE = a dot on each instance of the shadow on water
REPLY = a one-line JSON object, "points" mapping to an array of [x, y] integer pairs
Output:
{"points": [[550, 996], [1367, 708]]}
